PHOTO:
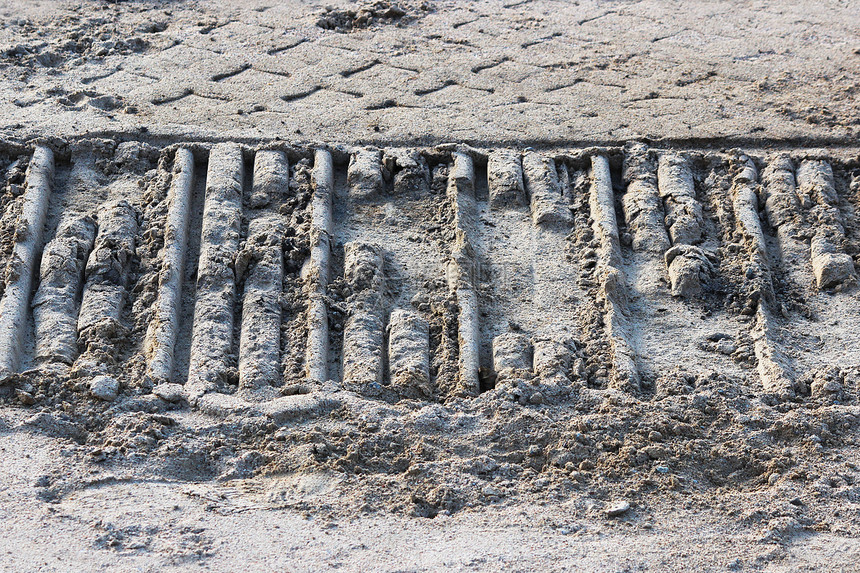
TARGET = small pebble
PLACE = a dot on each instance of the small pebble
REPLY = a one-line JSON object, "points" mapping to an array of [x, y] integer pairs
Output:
{"points": [[490, 491], [726, 347], [170, 392], [104, 388], [617, 509], [25, 397]]}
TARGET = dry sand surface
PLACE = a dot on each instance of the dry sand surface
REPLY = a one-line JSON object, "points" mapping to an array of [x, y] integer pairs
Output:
{"points": [[425, 286]]}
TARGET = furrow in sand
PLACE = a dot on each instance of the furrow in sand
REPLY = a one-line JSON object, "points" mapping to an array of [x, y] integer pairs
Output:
{"points": [[541, 180], [363, 331], [511, 351], [642, 205], [409, 353], [683, 212], [271, 180], [21, 268], [160, 341], [461, 271], [686, 262], [782, 208], [505, 180], [817, 193], [316, 270], [665, 324], [364, 174], [612, 291], [643, 212], [57, 300], [411, 172], [212, 333], [551, 217], [773, 369], [100, 324], [512, 356], [387, 269], [262, 263]]}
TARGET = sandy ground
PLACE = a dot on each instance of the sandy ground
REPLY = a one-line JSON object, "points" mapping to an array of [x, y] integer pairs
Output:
{"points": [[120, 523], [715, 467], [492, 71]]}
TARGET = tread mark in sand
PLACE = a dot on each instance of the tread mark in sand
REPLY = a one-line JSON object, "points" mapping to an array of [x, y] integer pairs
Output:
{"points": [[65, 301]]}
